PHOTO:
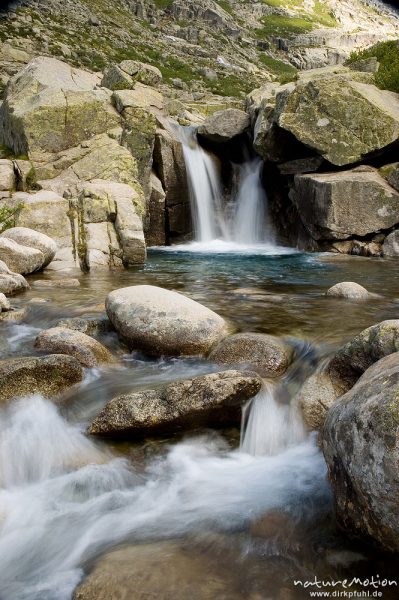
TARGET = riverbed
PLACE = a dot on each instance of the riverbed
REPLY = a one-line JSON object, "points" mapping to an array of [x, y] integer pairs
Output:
{"points": [[67, 499]]}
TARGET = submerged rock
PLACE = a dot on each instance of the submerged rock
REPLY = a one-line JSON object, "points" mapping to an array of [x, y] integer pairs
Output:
{"points": [[224, 125], [33, 239], [162, 322], [209, 400], [49, 376], [265, 354], [11, 283], [361, 447], [349, 290], [160, 571], [62, 340]]}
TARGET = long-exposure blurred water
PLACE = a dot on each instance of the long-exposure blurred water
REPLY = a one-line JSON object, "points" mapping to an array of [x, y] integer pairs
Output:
{"points": [[66, 499]]}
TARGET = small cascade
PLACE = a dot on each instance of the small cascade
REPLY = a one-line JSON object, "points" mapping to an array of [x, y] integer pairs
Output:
{"points": [[243, 222], [270, 426], [251, 224]]}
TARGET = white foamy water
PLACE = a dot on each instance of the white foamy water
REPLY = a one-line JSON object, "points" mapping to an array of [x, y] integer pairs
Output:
{"points": [[270, 426], [64, 500], [241, 225]]}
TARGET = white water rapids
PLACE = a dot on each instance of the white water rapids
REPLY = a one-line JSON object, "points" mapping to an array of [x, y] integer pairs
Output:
{"points": [[64, 499]]}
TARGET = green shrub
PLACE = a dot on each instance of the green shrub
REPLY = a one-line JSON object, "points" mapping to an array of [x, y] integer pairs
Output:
{"points": [[283, 71], [387, 54], [8, 216]]}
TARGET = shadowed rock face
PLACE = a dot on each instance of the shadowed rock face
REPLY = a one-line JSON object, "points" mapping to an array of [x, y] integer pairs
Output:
{"points": [[49, 376], [161, 322], [208, 400], [360, 444]]}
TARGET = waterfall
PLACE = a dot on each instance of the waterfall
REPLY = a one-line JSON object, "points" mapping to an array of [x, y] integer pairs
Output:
{"points": [[270, 426], [243, 222]]}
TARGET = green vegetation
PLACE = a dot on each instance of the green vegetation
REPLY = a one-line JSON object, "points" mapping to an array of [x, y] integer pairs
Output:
{"points": [[225, 5], [282, 70], [231, 85], [321, 15], [387, 54], [8, 216], [163, 3], [279, 25]]}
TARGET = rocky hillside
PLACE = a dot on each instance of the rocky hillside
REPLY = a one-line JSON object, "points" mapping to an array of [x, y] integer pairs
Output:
{"points": [[223, 48]]}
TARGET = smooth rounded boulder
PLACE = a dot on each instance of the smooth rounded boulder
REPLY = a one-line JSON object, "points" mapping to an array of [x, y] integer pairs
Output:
{"points": [[361, 448], [224, 125], [11, 283], [20, 259], [265, 354], [161, 322], [61, 340], [349, 290], [33, 239]]}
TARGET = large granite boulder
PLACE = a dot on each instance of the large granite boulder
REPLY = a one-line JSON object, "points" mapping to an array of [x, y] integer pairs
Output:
{"points": [[208, 400], [224, 125], [62, 340], [49, 376], [337, 115], [50, 106], [345, 204], [11, 283], [355, 357], [125, 75], [33, 239], [341, 372], [162, 322], [361, 448], [20, 259], [265, 354]]}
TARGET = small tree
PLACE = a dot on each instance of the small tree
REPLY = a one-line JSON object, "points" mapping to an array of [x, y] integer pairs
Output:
{"points": [[8, 216]]}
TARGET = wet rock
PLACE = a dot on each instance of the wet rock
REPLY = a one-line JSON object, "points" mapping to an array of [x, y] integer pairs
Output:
{"points": [[355, 357], [49, 376], [208, 400], [11, 283], [224, 125], [4, 303], [67, 282], [89, 326], [162, 322], [390, 246], [20, 259], [33, 239], [316, 396], [361, 448], [349, 290], [345, 204], [265, 354], [161, 571], [85, 349]]}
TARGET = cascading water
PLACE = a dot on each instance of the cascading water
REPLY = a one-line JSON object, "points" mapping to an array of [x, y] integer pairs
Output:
{"points": [[243, 222]]}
